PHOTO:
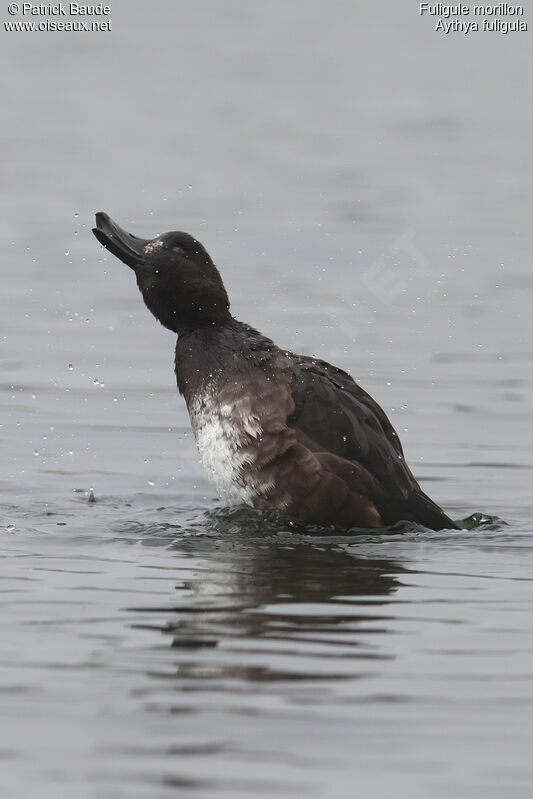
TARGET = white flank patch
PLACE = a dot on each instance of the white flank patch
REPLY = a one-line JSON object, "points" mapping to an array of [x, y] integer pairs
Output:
{"points": [[221, 433]]}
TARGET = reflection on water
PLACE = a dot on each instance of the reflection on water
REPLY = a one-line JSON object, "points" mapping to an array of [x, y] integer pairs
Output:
{"points": [[268, 593], [220, 652]]}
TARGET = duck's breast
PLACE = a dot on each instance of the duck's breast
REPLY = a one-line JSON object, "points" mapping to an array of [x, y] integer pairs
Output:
{"points": [[226, 434]]}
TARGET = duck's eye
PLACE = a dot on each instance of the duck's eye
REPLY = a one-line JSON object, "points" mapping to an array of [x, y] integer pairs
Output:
{"points": [[179, 250]]}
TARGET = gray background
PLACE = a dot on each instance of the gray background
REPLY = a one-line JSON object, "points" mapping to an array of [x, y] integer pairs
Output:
{"points": [[365, 186]]}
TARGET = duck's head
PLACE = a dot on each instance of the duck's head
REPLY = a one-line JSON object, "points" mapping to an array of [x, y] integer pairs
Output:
{"points": [[179, 282]]}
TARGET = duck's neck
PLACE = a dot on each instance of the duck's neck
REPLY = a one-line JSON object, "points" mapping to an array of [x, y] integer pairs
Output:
{"points": [[215, 352]]}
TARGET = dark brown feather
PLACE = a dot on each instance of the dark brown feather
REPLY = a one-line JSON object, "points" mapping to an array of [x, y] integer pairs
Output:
{"points": [[332, 413]]}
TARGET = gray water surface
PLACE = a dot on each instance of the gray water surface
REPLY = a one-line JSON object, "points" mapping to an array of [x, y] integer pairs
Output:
{"points": [[365, 186]]}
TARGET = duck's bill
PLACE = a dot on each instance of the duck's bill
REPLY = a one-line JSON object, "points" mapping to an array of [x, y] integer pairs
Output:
{"points": [[124, 245]]}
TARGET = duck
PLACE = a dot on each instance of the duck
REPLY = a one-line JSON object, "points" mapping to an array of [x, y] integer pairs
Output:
{"points": [[275, 430]]}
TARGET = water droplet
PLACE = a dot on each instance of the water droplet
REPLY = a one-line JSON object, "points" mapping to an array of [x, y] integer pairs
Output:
{"points": [[70, 367], [96, 381], [76, 215], [67, 252], [36, 452], [10, 528], [151, 483]]}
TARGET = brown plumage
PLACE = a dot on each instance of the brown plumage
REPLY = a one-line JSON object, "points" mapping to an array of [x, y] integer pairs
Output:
{"points": [[275, 430]]}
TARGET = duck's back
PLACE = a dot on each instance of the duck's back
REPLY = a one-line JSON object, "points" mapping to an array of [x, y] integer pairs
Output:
{"points": [[282, 431]]}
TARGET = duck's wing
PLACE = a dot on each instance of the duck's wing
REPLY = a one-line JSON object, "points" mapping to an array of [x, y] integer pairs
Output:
{"points": [[338, 416], [333, 414]]}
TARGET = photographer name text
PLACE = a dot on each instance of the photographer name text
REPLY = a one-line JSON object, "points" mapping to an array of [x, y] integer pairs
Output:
{"points": [[60, 9]]}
